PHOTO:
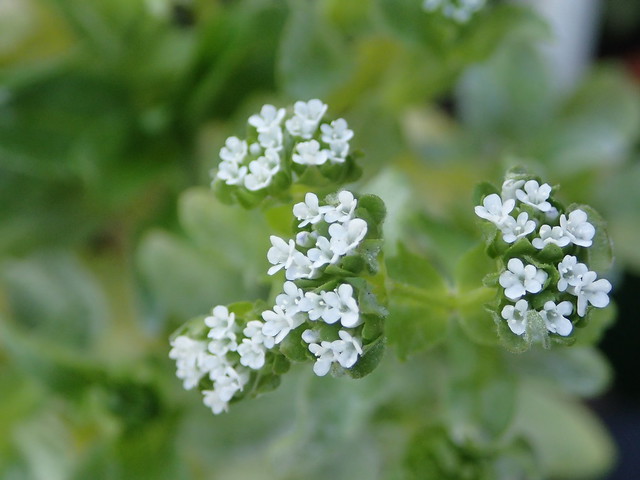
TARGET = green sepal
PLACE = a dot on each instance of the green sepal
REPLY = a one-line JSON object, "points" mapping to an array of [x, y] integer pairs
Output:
{"points": [[293, 347], [483, 190], [519, 249], [281, 365], [537, 329], [371, 356], [373, 210], [551, 253], [194, 328], [242, 309], [370, 250], [372, 329]]}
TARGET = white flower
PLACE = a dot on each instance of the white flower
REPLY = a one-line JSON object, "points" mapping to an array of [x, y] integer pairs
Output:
{"points": [[260, 176], [221, 346], [279, 323], [253, 332], [309, 211], [516, 316], [309, 153], [576, 227], [310, 336], [554, 317], [301, 267], [255, 149], [231, 173], [571, 272], [252, 354], [494, 210], [550, 235], [347, 349], [325, 357], [513, 229], [345, 209], [306, 239], [234, 150], [338, 131], [231, 382], [221, 322], [188, 355], [509, 187], [306, 118], [592, 291], [535, 195], [212, 400], [520, 279], [315, 305], [323, 253], [268, 117], [270, 161], [281, 254], [337, 152], [215, 365], [342, 306], [271, 138], [346, 237], [289, 301]]}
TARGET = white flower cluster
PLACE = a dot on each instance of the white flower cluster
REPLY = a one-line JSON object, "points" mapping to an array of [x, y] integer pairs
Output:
{"points": [[234, 349], [459, 10], [331, 233], [254, 164], [517, 212]]}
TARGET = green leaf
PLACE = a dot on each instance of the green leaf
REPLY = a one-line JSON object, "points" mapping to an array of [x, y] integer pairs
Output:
{"points": [[472, 268], [312, 59], [371, 357], [570, 441], [414, 270], [293, 347]]}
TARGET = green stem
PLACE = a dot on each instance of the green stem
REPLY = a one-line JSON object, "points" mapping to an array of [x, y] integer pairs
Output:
{"points": [[445, 300]]}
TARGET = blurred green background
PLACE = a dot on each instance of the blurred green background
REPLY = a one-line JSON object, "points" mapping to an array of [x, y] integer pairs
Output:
{"points": [[112, 113]]}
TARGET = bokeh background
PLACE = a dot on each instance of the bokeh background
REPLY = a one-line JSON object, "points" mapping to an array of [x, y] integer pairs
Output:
{"points": [[111, 116]]}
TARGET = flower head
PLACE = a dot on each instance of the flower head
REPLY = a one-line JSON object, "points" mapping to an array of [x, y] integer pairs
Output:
{"points": [[345, 209], [535, 195], [234, 150], [342, 306], [279, 323], [549, 235], [307, 116], [309, 153], [309, 211], [519, 279], [268, 118], [577, 228], [513, 229], [516, 316], [494, 210], [591, 291], [571, 272], [346, 237], [281, 254], [554, 317]]}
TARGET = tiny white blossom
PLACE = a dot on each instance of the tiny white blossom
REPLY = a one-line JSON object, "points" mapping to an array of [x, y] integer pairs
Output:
{"points": [[281, 254], [306, 239], [345, 209], [253, 332], [231, 382], [260, 176], [571, 272], [509, 187], [576, 227], [215, 365], [231, 173], [346, 237], [550, 235], [234, 150], [347, 349], [325, 357], [220, 322], [188, 353], [323, 253], [252, 354], [270, 160], [224, 344], [535, 195], [289, 301], [268, 117], [592, 291], [516, 316], [315, 305], [554, 317], [342, 306], [255, 149], [519, 279], [307, 116], [310, 336], [279, 323], [301, 267], [271, 138], [309, 211], [337, 152], [494, 210], [309, 153], [212, 400], [338, 131], [513, 229]]}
